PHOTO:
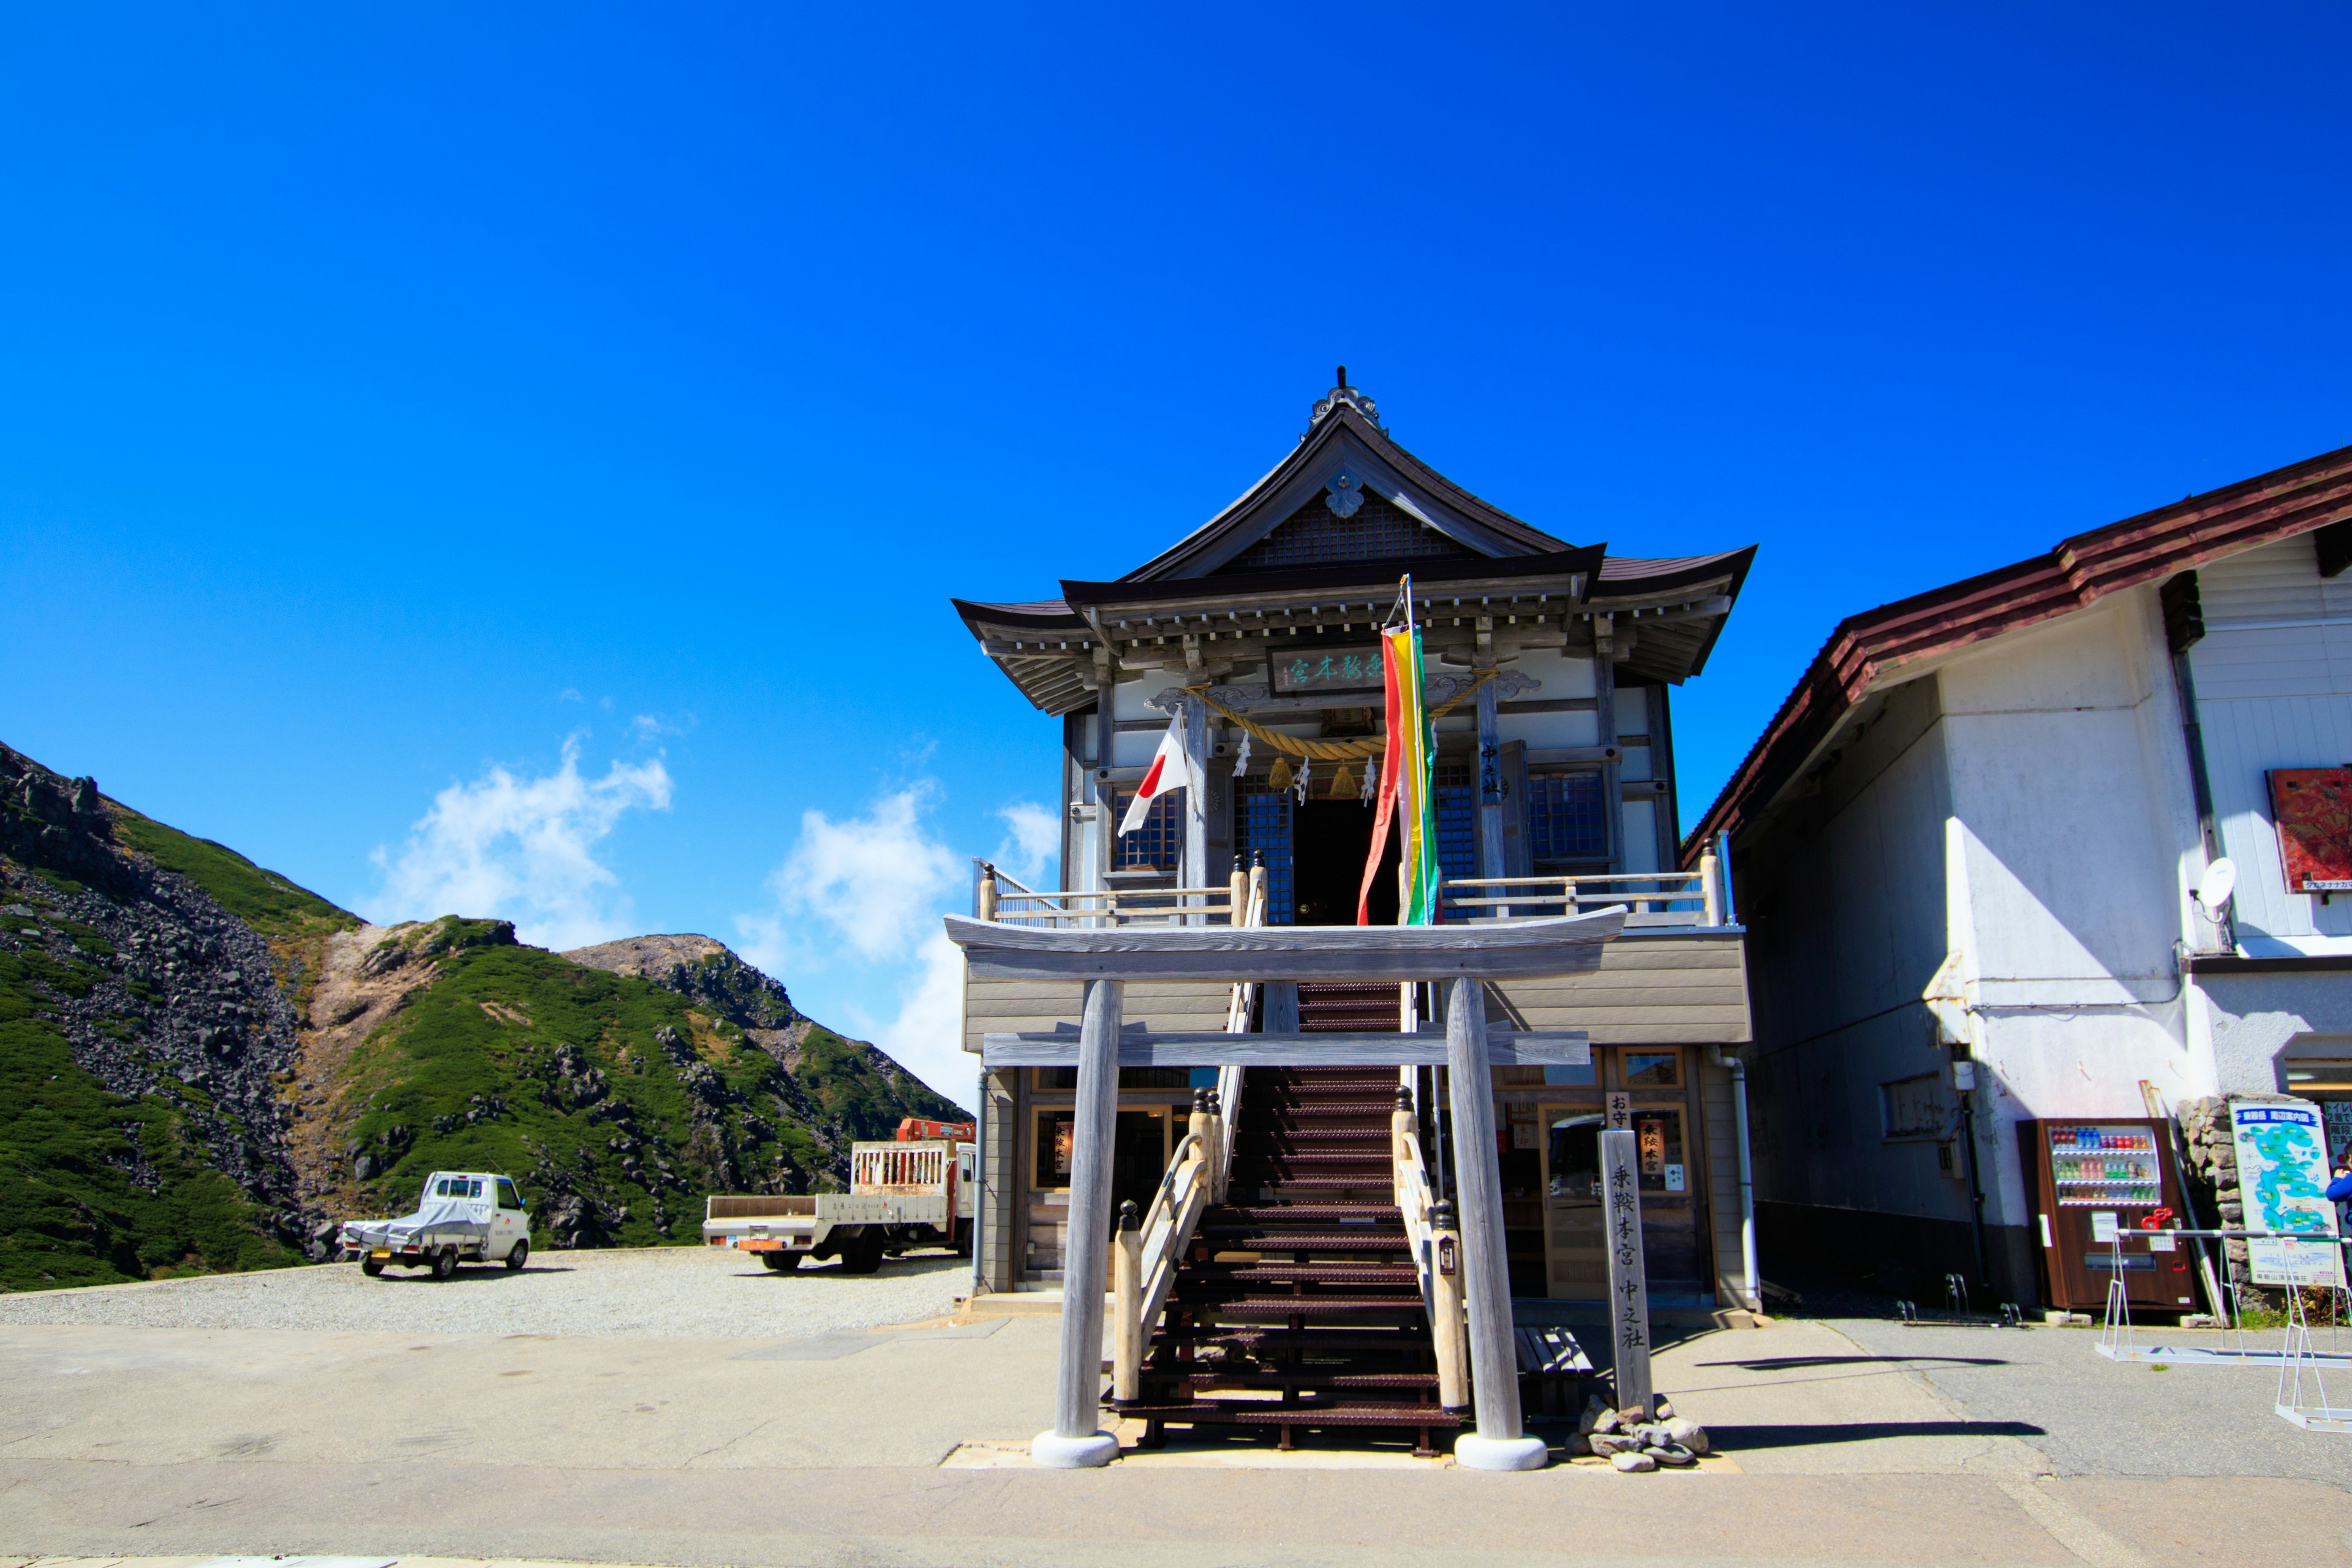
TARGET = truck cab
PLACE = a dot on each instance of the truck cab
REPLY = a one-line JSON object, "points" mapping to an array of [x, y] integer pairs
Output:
{"points": [[461, 1216]]}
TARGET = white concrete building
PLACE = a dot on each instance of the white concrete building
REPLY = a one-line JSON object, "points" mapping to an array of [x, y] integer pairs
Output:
{"points": [[1975, 832]]}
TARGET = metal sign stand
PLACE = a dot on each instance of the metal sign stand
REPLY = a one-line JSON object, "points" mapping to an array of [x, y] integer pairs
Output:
{"points": [[2300, 1358], [2118, 1342]]}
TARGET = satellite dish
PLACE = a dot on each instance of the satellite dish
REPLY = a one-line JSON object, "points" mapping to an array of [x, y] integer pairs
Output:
{"points": [[2220, 879]]}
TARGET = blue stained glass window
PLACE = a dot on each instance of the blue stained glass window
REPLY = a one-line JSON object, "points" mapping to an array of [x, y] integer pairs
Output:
{"points": [[1457, 818], [1262, 823], [1565, 818]]}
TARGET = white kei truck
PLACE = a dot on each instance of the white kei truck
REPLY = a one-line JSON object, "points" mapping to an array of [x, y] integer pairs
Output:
{"points": [[462, 1216], [915, 1192]]}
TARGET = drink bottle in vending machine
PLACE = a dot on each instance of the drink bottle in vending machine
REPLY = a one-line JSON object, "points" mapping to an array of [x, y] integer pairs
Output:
{"points": [[2104, 1194]]}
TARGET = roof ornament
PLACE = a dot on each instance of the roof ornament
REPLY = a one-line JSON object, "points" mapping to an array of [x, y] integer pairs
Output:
{"points": [[1339, 393], [1343, 492]]}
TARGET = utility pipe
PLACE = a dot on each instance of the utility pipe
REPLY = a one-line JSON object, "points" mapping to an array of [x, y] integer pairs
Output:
{"points": [[1751, 1287], [979, 1189]]}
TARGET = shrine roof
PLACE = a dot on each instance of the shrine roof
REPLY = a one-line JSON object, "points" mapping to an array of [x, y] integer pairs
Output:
{"points": [[1319, 543]]}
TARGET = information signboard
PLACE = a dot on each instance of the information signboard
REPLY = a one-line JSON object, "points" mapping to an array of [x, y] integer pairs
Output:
{"points": [[2282, 1181]]}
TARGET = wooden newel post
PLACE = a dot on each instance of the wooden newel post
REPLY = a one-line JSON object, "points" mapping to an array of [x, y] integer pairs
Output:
{"points": [[1446, 1327], [1076, 1441], [1126, 1297], [1218, 1148], [1199, 1126], [987, 910], [1237, 895], [1501, 1442]]}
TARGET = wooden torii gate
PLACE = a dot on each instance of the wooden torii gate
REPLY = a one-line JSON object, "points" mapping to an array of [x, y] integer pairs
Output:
{"points": [[1466, 956]]}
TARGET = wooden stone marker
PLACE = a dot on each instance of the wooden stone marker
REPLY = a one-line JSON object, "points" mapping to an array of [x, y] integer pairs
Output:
{"points": [[1629, 1293]]}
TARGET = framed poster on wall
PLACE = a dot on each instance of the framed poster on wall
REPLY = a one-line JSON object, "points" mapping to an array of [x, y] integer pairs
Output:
{"points": [[2313, 808]]}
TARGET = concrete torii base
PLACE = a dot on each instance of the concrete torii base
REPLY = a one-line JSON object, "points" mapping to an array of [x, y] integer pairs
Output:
{"points": [[1058, 1453], [1477, 1453]]}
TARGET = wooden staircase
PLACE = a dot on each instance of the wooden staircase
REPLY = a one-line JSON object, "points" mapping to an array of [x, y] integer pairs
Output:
{"points": [[1297, 1305]]}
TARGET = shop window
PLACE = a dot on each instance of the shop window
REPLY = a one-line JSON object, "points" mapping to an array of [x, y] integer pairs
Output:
{"points": [[1653, 1069], [1915, 1107], [1658, 1152], [1576, 1156], [1055, 1130], [1159, 842], [1567, 822], [1581, 1077]]}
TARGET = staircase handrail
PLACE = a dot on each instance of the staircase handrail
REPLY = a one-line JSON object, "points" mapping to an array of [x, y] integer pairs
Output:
{"points": [[1147, 1257], [1436, 1252]]}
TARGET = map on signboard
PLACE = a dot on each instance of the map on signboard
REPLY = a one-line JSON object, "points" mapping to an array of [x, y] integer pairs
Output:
{"points": [[2282, 1180], [2313, 808]]}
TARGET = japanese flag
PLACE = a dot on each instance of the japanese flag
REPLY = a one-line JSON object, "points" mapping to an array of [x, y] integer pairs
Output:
{"points": [[1170, 771]]}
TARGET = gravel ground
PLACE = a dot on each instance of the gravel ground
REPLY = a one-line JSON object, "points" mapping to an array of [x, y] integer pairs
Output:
{"points": [[666, 1290]]}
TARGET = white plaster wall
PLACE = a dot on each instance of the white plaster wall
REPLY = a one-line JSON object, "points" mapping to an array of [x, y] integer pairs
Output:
{"points": [[2273, 677], [2073, 839], [2069, 776], [1131, 696]]}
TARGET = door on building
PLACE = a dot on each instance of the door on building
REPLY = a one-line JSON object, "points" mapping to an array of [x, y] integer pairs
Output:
{"points": [[1649, 1091], [1576, 1268], [1138, 1159], [1329, 839]]}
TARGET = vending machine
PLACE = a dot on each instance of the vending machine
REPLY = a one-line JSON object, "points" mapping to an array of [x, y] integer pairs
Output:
{"points": [[2103, 1192]]}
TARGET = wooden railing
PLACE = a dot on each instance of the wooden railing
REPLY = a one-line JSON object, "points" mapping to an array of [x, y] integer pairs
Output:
{"points": [[1003, 899], [1150, 1244], [1436, 1247], [914, 1167], [1697, 894]]}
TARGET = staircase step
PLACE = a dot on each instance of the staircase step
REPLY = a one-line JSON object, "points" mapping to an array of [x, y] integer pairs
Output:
{"points": [[1265, 1413], [1278, 1214], [1302, 1377], [1313, 1272], [1269, 1305], [1272, 1239], [1289, 1183]]}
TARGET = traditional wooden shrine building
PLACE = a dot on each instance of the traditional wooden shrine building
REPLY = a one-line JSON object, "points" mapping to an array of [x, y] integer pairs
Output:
{"points": [[1550, 667]]}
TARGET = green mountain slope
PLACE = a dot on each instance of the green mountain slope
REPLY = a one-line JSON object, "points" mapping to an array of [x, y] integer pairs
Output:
{"points": [[204, 1065]]}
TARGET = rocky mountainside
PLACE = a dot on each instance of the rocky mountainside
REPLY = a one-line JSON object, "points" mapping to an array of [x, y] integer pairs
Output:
{"points": [[204, 1065]]}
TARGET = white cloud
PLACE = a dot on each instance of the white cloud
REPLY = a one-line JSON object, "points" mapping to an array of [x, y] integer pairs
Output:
{"points": [[1033, 840], [876, 880], [521, 849], [857, 917], [927, 1037]]}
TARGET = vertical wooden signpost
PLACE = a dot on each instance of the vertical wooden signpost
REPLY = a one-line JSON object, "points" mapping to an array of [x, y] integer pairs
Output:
{"points": [[1629, 1293]]}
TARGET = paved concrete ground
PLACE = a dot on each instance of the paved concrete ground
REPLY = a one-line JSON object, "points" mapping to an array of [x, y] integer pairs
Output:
{"points": [[829, 1447]]}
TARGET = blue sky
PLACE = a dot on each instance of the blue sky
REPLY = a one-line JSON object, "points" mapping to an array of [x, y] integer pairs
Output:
{"points": [[521, 458]]}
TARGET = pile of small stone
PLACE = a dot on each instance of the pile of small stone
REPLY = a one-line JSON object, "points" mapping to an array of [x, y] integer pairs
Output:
{"points": [[1633, 1439]]}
